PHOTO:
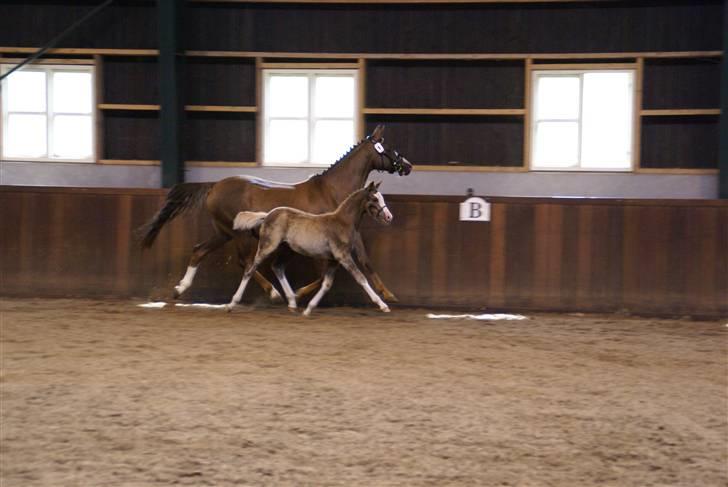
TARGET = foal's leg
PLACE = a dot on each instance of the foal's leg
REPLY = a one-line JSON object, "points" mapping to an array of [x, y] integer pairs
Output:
{"points": [[264, 250], [279, 269], [328, 280], [348, 263], [199, 252], [246, 252], [363, 258]]}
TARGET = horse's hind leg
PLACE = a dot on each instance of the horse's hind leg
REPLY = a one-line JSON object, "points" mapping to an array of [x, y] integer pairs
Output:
{"points": [[363, 258], [325, 286], [199, 252]]}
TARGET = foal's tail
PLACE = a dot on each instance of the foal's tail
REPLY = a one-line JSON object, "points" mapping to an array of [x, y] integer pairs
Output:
{"points": [[249, 220], [180, 198]]}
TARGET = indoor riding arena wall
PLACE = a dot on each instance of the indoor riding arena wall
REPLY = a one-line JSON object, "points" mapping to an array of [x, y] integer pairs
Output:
{"points": [[640, 256]]}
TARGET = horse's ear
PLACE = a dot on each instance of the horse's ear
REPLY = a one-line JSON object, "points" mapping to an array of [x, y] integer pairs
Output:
{"points": [[376, 186], [372, 187], [378, 132]]}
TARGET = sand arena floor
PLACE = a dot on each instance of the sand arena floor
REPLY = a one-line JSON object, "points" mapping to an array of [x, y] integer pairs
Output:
{"points": [[104, 393]]}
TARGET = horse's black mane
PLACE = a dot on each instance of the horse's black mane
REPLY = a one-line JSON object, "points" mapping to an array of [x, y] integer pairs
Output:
{"points": [[346, 154]]}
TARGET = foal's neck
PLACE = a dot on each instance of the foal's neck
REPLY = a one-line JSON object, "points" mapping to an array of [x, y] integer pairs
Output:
{"points": [[351, 211]]}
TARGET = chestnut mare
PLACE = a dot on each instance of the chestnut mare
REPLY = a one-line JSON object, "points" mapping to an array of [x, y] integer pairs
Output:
{"points": [[328, 237], [319, 194]]}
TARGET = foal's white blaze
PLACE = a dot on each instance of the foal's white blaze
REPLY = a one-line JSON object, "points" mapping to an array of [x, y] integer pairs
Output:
{"points": [[387, 214]]}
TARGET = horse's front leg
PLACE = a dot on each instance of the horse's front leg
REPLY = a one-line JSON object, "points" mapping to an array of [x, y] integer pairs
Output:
{"points": [[363, 258], [348, 263]]}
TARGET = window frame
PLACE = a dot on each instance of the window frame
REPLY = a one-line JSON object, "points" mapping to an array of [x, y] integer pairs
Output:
{"points": [[546, 71], [311, 74], [50, 114]]}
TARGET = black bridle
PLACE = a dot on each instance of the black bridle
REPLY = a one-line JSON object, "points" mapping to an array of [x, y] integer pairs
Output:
{"points": [[396, 161]]}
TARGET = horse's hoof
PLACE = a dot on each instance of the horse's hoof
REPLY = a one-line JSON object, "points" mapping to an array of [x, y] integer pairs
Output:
{"points": [[390, 297], [386, 309], [307, 313], [177, 292], [292, 309], [275, 297], [229, 307]]}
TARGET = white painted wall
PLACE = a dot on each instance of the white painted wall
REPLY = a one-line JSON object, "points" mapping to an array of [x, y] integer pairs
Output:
{"points": [[540, 184]]}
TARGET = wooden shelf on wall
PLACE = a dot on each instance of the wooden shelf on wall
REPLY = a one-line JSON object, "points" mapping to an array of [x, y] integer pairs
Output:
{"points": [[462, 168], [682, 112], [128, 162], [676, 171], [444, 111], [189, 108]]}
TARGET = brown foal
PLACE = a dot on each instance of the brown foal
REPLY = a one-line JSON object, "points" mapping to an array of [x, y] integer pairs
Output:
{"points": [[328, 237]]}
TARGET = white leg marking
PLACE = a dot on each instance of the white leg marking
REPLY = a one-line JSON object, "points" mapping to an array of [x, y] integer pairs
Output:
{"points": [[186, 281], [239, 293], [290, 295], [325, 286]]}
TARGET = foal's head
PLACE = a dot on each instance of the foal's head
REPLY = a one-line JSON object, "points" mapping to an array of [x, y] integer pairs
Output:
{"points": [[375, 206], [386, 158]]}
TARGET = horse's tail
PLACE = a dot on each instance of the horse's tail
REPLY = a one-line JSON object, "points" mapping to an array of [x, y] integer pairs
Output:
{"points": [[249, 220], [180, 198]]}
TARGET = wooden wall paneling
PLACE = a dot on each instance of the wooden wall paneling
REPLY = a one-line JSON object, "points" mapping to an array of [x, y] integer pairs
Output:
{"points": [[123, 243], [605, 279], [519, 244], [445, 84], [130, 80], [528, 116], [720, 267], [444, 217], [567, 285], [444, 28], [679, 142], [682, 83], [260, 115], [703, 235], [361, 98], [584, 233], [481, 141], [220, 81], [547, 256], [131, 135], [497, 264], [220, 136]]}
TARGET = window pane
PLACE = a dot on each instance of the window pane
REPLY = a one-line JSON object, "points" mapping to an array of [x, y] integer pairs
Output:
{"points": [[556, 144], [334, 96], [72, 136], [557, 97], [607, 120], [287, 96], [72, 92], [26, 136], [332, 138], [287, 141], [26, 91]]}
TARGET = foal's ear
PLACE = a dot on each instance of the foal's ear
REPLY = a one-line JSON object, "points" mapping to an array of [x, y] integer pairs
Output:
{"points": [[378, 132]]}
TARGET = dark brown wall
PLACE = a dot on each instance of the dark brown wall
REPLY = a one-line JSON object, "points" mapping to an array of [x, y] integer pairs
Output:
{"points": [[619, 26], [664, 257]]}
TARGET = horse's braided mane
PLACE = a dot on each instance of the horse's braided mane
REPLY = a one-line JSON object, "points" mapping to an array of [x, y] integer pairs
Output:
{"points": [[346, 154]]}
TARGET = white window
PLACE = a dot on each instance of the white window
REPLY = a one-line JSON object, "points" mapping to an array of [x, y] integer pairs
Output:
{"points": [[309, 115], [582, 120], [47, 113]]}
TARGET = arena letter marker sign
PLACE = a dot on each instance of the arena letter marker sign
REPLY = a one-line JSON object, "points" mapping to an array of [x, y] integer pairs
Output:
{"points": [[475, 209]]}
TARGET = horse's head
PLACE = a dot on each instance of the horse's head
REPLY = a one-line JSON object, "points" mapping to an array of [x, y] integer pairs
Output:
{"points": [[375, 205], [385, 158]]}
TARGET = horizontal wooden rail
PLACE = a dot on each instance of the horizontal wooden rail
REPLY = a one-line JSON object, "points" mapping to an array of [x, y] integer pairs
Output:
{"points": [[189, 108], [683, 112], [658, 170], [382, 56], [128, 162], [444, 111]]}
